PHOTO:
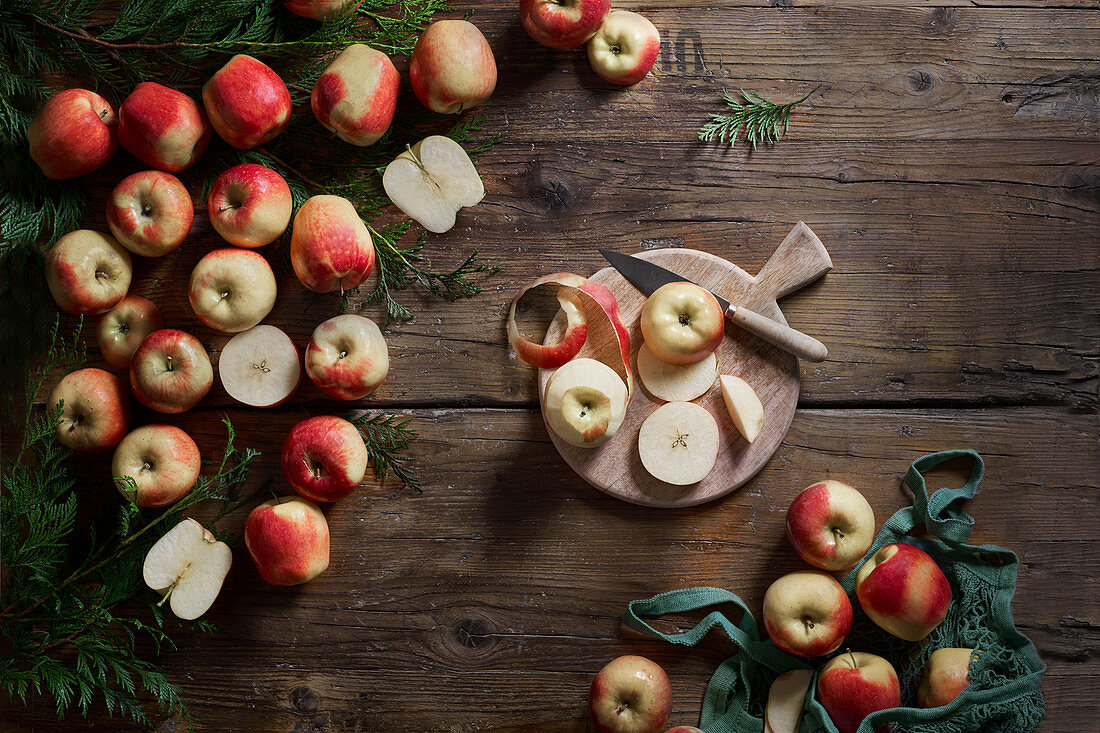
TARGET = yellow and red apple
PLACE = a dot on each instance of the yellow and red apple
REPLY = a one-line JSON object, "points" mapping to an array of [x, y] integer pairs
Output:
{"points": [[121, 330], [320, 9], [324, 458], [682, 323], [88, 273], [356, 96], [945, 676], [288, 539], [562, 24], [831, 525], [807, 613], [624, 48], [247, 101], [232, 289], [347, 357], [95, 410], [330, 246], [903, 590], [150, 213], [162, 127], [163, 462], [452, 67], [170, 371], [250, 205], [73, 134], [853, 685], [631, 694]]}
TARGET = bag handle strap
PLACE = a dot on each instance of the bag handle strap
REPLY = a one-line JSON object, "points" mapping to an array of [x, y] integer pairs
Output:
{"points": [[942, 512]]}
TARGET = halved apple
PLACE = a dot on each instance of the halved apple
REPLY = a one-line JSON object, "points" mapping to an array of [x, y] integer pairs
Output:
{"points": [[744, 406], [585, 402], [188, 566], [260, 367], [678, 443], [432, 180], [675, 382], [786, 699]]}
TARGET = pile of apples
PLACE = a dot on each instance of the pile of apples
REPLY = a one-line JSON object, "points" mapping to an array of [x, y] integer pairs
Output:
{"points": [[807, 613], [622, 46], [232, 289]]}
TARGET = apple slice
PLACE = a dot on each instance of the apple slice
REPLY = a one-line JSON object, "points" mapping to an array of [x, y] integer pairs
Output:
{"points": [[678, 443], [188, 566], [585, 402], [432, 180], [260, 367], [786, 698], [744, 406], [676, 383]]}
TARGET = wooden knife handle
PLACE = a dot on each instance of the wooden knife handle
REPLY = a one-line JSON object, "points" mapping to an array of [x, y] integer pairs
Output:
{"points": [[785, 337]]}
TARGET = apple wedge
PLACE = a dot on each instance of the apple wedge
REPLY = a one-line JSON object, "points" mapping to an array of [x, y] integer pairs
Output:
{"points": [[260, 367], [744, 406], [786, 698], [188, 566], [676, 383], [585, 402], [678, 443], [432, 180]]}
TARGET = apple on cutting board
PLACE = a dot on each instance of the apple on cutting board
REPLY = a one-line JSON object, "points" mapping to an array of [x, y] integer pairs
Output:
{"points": [[73, 134], [150, 213], [585, 402], [678, 443], [682, 323], [189, 566], [675, 382], [631, 694]]}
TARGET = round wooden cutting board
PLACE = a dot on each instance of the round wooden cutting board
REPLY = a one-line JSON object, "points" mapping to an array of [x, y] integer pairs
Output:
{"points": [[615, 467]]}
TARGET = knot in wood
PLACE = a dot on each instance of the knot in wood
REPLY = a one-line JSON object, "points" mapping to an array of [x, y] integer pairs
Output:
{"points": [[305, 700], [473, 632], [919, 81]]}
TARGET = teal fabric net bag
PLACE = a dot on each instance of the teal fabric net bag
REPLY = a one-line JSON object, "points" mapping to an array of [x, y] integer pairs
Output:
{"points": [[1005, 693]]}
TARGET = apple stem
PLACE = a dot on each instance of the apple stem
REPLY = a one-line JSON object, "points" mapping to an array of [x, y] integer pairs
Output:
{"points": [[855, 664], [415, 158], [166, 596]]}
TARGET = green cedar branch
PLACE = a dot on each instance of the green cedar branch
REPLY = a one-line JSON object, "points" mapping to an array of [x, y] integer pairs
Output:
{"points": [[764, 121]]}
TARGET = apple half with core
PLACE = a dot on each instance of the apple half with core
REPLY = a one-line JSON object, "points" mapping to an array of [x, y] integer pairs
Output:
{"points": [[631, 694], [675, 382], [260, 367], [624, 48], [452, 67], [945, 676], [585, 402], [162, 127], [87, 272], [347, 357], [743, 405], [324, 458], [170, 371], [250, 205], [903, 590], [562, 24], [232, 289], [150, 213], [831, 525], [330, 246], [162, 461], [678, 443], [119, 331], [73, 134], [188, 567], [786, 701], [807, 613], [356, 96], [853, 685], [288, 540], [682, 323], [432, 180], [95, 410], [247, 101]]}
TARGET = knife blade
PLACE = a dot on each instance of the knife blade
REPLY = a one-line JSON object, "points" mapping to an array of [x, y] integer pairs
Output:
{"points": [[648, 277]]}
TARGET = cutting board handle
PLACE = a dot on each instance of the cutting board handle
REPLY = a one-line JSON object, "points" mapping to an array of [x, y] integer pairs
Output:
{"points": [[799, 260]]}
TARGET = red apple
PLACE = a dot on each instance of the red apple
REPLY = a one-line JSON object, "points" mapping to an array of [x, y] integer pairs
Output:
{"points": [[288, 540], [119, 331], [330, 247], [162, 127], [807, 613], [320, 9], [73, 134], [170, 372], [631, 694], [247, 101], [324, 458], [682, 323], [357, 94], [831, 525], [562, 23], [452, 67], [95, 410], [855, 684], [624, 48], [903, 590], [162, 460], [347, 357], [232, 289], [87, 272], [945, 676], [250, 205], [150, 213], [684, 729]]}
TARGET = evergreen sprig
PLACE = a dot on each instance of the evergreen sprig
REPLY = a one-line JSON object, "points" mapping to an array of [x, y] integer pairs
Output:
{"points": [[764, 121], [387, 438]]}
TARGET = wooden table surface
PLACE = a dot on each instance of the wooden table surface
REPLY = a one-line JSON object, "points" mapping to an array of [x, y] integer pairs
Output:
{"points": [[948, 161]]}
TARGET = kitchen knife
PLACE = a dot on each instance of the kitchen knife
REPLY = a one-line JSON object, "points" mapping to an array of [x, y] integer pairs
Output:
{"points": [[647, 277]]}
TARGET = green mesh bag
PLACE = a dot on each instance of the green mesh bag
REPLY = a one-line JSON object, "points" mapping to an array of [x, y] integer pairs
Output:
{"points": [[1006, 673]]}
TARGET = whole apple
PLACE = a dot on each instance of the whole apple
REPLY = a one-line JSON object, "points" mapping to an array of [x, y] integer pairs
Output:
{"points": [[95, 410], [162, 127], [624, 48], [330, 247], [150, 213], [170, 371], [87, 272], [356, 95], [631, 694], [288, 540], [452, 67], [247, 101], [807, 613], [320, 9], [163, 462], [324, 458], [562, 23], [119, 331], [903, 590], [855, 684], [347, 357], [73, 134], [831, 525], [945, 676], [250, 205], [232, 289], [682, 323]]}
